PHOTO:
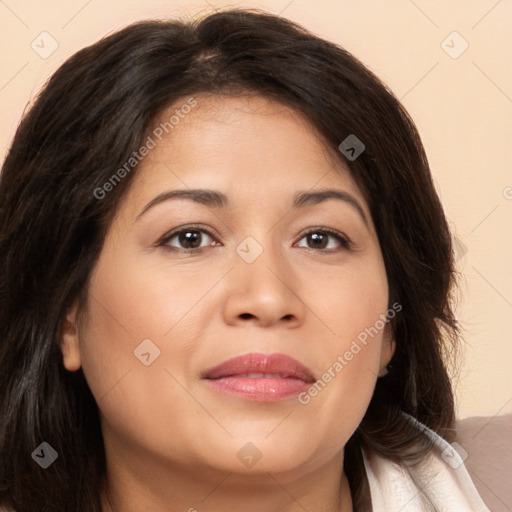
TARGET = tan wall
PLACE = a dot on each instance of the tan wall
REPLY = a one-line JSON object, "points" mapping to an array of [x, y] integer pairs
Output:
{"points": [[462, 107]]}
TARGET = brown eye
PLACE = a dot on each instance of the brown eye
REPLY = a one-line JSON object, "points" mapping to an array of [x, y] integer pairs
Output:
{"points": [[319, 239], [188, 239]]}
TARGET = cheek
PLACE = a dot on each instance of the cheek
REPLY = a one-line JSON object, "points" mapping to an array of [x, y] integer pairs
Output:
{"points": [[355, 312], [340, 397], [124, 309], [353, 304], [150, 297], [134, 300], [130, 303]]}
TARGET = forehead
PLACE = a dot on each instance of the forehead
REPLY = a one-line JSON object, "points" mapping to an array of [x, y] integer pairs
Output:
{"points": [[250, 147]]}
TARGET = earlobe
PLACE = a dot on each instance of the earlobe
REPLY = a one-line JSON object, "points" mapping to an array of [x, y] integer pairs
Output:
{"points": [[69, 339], [387, 351]]}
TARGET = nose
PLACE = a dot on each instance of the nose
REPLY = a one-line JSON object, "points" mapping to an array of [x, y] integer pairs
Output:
{"points": [[266, 292]]}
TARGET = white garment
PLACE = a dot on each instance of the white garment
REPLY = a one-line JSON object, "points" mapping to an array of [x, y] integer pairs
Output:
{"points": [[441, 477]]}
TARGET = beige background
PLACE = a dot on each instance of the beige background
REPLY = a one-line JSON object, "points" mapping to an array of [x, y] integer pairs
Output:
{"points": [[462, 107]]}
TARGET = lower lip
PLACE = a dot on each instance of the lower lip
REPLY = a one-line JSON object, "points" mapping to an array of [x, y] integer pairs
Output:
{"points": [[259, 389]]}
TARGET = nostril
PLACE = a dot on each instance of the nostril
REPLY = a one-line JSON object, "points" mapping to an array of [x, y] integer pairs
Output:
{"points": [[246, 316]]}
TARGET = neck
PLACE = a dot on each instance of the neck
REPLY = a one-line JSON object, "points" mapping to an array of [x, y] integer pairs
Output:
{"points": [[155, 486]]}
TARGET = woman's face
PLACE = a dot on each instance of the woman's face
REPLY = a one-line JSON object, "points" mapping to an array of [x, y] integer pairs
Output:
{"points": [[159, 314]]}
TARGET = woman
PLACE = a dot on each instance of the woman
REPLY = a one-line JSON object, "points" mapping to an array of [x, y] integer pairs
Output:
{"points": [[226, 282]]}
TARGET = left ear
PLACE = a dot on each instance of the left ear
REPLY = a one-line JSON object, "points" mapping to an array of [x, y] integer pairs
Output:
{"points": [[387, 349]]}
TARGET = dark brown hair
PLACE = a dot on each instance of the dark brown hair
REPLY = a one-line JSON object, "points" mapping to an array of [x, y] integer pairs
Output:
{"points": [[89, 118]]}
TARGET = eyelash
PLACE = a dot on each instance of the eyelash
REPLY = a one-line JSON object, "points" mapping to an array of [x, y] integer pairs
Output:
{"points": [[345, 243]]}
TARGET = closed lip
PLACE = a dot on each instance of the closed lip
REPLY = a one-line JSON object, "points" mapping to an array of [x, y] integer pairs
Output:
{"points": [[277, 365]]}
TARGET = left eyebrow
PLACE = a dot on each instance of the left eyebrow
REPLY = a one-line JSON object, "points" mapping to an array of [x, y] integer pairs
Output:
{"points": [[215, 199], [306, 198]]}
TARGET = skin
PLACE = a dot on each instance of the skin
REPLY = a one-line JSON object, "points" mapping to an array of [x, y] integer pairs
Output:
{"points": [[172, 442]]}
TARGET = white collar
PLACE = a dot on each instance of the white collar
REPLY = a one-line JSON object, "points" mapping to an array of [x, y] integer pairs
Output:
{"points": [[447, 485]]}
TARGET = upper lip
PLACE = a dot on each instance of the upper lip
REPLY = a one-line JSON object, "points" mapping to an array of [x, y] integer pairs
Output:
{"points": [[280, 364]]}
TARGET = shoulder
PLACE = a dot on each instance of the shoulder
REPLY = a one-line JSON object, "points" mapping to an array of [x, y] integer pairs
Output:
{"points": [[439, 479], [487, 443]]}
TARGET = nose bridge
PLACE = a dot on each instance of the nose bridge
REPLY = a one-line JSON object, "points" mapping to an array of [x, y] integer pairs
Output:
{"points": [[264, 286], [259, 263]]}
